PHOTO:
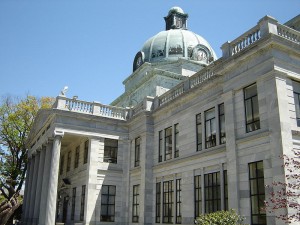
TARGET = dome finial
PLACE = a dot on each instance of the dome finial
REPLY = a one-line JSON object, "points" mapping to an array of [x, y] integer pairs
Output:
{"points": [[176, 19]]}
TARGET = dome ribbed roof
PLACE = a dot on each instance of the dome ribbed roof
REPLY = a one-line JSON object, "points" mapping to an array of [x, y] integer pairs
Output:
{"points": [[173, 44]]}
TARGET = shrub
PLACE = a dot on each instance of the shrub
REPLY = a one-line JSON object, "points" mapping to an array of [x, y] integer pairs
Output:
{"points": [[220, 218]]}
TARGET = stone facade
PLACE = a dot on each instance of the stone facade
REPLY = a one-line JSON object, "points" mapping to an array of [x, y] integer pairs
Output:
{"points": [[192, 149]]}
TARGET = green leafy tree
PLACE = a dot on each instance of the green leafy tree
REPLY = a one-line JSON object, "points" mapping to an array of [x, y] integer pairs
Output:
{"points": [[220, 218], [16, 119]]}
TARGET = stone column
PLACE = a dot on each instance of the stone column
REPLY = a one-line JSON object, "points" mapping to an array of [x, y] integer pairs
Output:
{"points": [[45, 183], [33, 187], [53, 179], [42, 154], [29, 180], [27, 191]]}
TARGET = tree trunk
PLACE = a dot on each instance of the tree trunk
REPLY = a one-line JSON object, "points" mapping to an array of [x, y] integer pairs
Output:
{"points": [[7, 208]]}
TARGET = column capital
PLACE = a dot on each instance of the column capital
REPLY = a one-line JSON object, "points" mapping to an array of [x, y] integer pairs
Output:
{"points": [[58, 133]]}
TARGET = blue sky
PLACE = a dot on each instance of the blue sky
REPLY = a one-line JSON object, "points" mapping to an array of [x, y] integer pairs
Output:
{"points": [[90, 45]]}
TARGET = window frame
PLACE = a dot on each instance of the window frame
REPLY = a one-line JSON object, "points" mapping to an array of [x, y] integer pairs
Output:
{"points": [[197, 195], [168, 143], [158, 202], [82, 202], [86, 151], [210, 141], [111, 150], [73, 204], [212, 188], [176, 141], [76, 161], [199, 131], [260, 192], [252, 124], [222, 135], [104, 216], [178, 200], [137, 151], [168, 203], [135, 203], [160, 145], [69, 161]]}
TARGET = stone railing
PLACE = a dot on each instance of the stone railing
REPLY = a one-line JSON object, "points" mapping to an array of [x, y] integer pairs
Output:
{"points": [[93, 108], [267, 25], [201, 76], [171, 94], [288, 33], [79, 106]]}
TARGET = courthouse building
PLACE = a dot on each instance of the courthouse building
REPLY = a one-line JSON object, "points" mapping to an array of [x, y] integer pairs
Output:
{"points": [[191, 134]]}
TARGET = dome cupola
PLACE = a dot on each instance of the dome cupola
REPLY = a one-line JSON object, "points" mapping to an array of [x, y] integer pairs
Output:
{"points": [[174, 43]]}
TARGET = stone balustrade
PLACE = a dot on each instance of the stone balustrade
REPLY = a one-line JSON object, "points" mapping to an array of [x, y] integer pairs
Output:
{"points": [[201, 76], [93, 108], [288, 33], [171, 94]]}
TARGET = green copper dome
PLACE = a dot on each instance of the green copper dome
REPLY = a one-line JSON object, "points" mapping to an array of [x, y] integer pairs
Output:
{"points": [[174, 43]]}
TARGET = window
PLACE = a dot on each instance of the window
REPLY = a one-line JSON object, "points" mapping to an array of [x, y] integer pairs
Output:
{"points": [[110, 150], [158, 202], [251, 108], [225, 190], [168, 202], [76, 157], [212, 192], [137, 151], [73, 203], [296, 87], [210, 128], [160, 146], [86, 151], [257, 193], [136, 204], [222, 124], [198, 196], [82, 203], [108, 195], [199, 131], [69, 161], [178, 201], [61, 168], [176, 135], [168, 143]]}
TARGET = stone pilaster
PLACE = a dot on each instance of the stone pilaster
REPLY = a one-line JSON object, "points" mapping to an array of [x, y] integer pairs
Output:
{"points": [[30, 182], [27, 191], [34, 186]]}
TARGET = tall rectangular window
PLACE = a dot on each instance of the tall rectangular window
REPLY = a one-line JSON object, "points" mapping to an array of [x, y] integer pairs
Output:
{"points": [[82, 203], [198, 195], [296, 88], [158, 202], [222, 124], [76, 162], [178, 201], [110, 150], [210, 128], [69, 161], [225, 190], [61, 167], [168, 202], [176, 136], [160, 146], [199, 131], [86, 151], [136, 204], [251, 108], [137, 151], [108, 198], [257, 193], [212, 192], [73, 203], [168, 143]]}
